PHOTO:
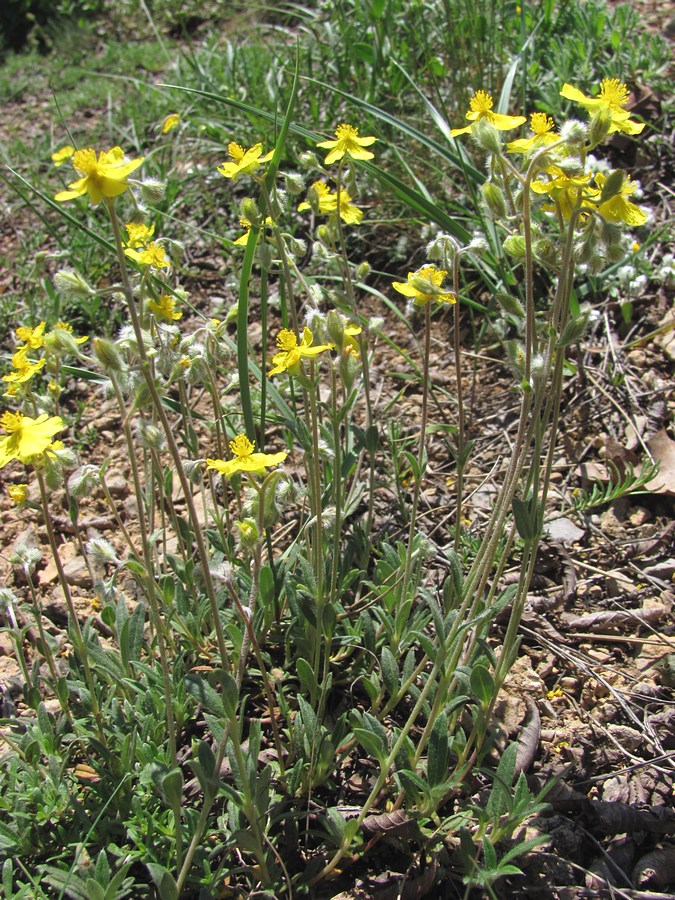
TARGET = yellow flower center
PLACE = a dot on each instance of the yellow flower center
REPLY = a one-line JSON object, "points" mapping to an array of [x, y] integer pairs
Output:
{"points": [[85, 161], [481, 102], [614, 93], [286, 340], [235, 150], [241, 446], [540, 123], [346, 132], [11, 422]]}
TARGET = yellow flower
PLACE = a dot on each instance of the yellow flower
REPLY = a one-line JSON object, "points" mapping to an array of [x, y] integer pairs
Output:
{"points": [[244, 162], [244, 459], [170, 122], [105, 177], [291, 352], [26, 437], [327, 203], [68, 328], [18, 492], [565, 189], [542, 127], [152, 255], [425, 285], [24, 368], [481, 108], [351, 345], [242, 240], [617, 208], [613, 96], [349, 142], [139, 234], [32, 337], [62, 155], [164, 308]]}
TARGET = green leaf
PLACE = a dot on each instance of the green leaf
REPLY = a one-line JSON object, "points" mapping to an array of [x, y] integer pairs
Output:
{"points": [[306, 675], [171, 786], [371, 743], [389, 670], [482, 684], [202, 691], [164, 882], [527, 516], [438, 753], [499, 802]]}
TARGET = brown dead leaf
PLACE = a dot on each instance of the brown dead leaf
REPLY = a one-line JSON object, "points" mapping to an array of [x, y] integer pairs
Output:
{"points": [[662, 448]]}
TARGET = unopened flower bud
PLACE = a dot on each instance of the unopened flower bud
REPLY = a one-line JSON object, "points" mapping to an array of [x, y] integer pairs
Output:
{"points": [[153, 191], [308, 160], [599, 126], [362, 271], [250, 211], [574, 132], [102, 553], [514, 245], [107, 355], [510, 304], [247, 533], [72, 284], [150, 435], [493, 198], [295, 183], [83, 480], [486, 136]]}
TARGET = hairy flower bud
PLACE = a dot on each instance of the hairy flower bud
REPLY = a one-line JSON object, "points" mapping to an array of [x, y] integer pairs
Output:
{"points": [[72, 284], [295, 183], [362, 271], [250, 211], [514, 245], [600, 126], [102, 553], [486, 136], [493, 198]]}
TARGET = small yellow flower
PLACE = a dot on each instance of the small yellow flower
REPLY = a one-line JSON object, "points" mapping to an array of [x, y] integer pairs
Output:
{"points": [[244, 162], [613, 96], [24, 368], [480, 107], [242, 240], [619, 208], [32, 337], [68, 328], [291, 352], [164, 308], [425, 285], [555, 694], [26, 437], [139, 234], [103, 177], [348, 142], [152, 255], [62, 155], [543, 134], [327, 203], [18, 493], [635, 246], [245, 459], [170, 122]]}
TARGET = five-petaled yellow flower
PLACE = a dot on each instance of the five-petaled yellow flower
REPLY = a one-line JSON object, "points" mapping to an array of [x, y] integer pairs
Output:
{"points": [[424, 286], [63, 155], [139, 234], [103, 177], [618, 208], [291, 352], [480, 107], [242, 240], [26, 437], [152, 255], [543, 134], [348, 142], [245, 459], [32, 337], [24, 368], [244, 162], [170, 122], [18, 492], [613, 97], [327, 203], [164, 308]]}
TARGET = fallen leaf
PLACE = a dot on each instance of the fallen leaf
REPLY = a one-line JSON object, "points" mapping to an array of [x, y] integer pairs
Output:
{"points": [[662, 448]]}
